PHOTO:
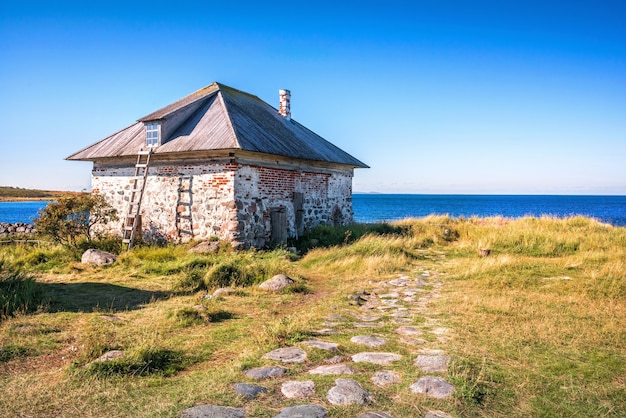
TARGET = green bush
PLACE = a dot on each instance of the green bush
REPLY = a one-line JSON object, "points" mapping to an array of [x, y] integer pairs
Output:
{"points": [[18, 293]]}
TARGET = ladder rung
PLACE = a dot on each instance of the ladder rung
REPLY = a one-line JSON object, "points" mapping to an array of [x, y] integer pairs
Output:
{"points": [[129, 228], [144, 152], [126, 240], [142, 165]]}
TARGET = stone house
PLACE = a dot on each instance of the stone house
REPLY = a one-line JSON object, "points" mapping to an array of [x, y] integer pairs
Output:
{"points": [[224, 164]]}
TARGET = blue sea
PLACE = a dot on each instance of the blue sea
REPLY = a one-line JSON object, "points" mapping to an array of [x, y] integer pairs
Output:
{"points": [[388, 207]]}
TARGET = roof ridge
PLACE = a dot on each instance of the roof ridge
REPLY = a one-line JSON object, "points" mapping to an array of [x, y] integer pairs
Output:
{"points": [[229, 121]]}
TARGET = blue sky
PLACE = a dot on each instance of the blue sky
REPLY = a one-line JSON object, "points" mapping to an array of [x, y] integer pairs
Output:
{"points": [[520, 97]]}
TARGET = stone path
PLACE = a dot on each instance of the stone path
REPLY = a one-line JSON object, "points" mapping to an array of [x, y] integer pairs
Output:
{"points": [[383, 316]]}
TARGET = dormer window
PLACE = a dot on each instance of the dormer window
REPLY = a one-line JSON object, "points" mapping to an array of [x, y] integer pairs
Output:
{"points": [[153, 134]]}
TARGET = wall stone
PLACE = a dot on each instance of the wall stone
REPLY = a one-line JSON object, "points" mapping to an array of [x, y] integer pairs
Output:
{"points": [[230, 201]]}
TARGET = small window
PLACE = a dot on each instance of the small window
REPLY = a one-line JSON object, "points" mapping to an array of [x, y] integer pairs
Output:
{"points": [[153, 134]]}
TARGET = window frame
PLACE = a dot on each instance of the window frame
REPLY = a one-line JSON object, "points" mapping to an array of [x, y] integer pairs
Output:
{"points": [[153, 134]]}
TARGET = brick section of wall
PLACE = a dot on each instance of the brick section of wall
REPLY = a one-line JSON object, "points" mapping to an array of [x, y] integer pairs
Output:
{"points": [[227, 200]]}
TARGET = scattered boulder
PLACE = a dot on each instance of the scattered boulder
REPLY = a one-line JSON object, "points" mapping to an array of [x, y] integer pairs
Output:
{"points": [[376, 358], [294, 389], [206, 247], [385, 378], [98, 257], [223, 291], [248, 391], [287, 355], [408, 330], [277, 283], [212, 411], [348, 392], [265, 372], [303, 411], [434, 387]]}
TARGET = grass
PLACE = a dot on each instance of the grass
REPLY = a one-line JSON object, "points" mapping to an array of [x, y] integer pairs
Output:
{"points": [[538, 326]]}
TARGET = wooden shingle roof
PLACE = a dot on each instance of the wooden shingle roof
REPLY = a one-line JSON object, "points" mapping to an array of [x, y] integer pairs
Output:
{"points": [[219, 117]]}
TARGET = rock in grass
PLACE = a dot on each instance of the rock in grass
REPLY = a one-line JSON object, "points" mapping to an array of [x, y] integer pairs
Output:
{"points": [[385, 378], [368, 340], [376, 358], [109, 355], [276, 283], [248, 391], [332, 369], [348, 392], [98, 257], [294, 389], [303, 411], [206, 247], [212, 411], [265, 372], [287, 355], [322, 345], [434, 387], [432, 364], [373, 414], [437, 414]]}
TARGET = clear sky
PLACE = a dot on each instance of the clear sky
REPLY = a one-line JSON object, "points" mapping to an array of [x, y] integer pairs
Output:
{"points": [[442, 96]]}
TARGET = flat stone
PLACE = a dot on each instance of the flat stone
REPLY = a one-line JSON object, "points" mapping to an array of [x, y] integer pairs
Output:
{"points": [[437, 414], [440, 331], [276, 283], [367, 325], [334, 360], [222, 291], [331, 324], [368, 340], [332, 369], [432, 364], [400, 282], [212, 411], [434, 387], [402, 314], [287, 355], [411, 340], [293, 389], [322, 345], [247, 390], [348, 392], [326, 331], [402, 320], [303, 411], [373, 414], [367, 317], [391, 295], [385, 378], [408, 330], [265, 372], [376, 358], [336, 317], [431, 352]]}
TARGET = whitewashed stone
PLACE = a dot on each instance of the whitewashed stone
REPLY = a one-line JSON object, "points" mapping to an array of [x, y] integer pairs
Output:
{"points": [[348, 392], [293, 389], [376, 358], [287, 355]]}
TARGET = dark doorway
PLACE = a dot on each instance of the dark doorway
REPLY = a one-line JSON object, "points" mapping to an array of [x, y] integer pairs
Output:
{"points": [[278, 220]]}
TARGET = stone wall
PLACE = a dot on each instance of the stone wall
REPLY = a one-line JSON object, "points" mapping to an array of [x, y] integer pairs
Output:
{"points": [[228, 200]]}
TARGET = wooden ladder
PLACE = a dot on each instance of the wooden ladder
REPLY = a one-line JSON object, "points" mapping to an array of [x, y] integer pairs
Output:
{"points": [[184, 217], [136, 196]]}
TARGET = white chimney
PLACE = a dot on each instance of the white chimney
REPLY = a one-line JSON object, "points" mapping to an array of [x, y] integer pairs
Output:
{"points": [[284, 103]]}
